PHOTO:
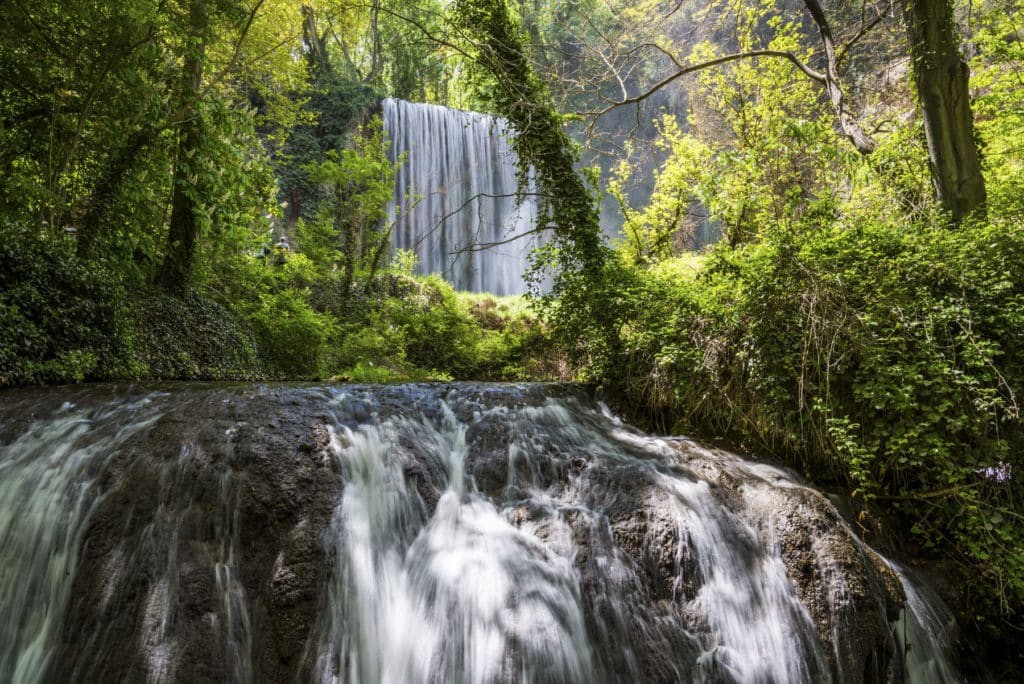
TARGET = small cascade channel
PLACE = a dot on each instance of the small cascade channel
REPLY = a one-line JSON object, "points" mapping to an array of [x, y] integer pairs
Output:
{"points": [[423, 533], [455, 202]]}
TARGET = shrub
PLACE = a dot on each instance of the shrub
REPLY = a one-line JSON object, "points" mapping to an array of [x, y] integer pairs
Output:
{"points": [[290, 333], [884, 355], [62, 319]]}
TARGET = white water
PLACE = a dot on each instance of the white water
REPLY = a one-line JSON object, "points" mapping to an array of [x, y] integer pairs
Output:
{"points": [[923, 636], [459, 595], [456, 194], [46, 499], [48, 494], [482, 535], [470, 593], [761, 631]]}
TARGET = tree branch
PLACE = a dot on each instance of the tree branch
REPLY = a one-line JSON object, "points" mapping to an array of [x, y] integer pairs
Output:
{"points": [[684, 70], [851, 129]]}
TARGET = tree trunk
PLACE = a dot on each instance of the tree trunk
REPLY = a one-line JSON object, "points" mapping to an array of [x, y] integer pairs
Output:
{"points": [[345, 226], [377, 56], [941, 76], [176, 273], [105, 194], [318, 60]]}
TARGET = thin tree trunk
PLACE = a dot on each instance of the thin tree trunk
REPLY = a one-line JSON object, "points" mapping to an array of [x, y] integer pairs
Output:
{"points": [[176, 273], [345, 226], [377, 58], [315, 42], [941, 76]]}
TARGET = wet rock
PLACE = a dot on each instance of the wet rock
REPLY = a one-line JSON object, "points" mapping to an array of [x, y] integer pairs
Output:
{"points": [[214, 503], [849, 591], [851, 594], [213, 527]]}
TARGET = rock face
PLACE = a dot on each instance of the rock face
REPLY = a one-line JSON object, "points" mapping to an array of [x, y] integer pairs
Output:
{"points": [[414, 533], [850, 592], [204, 555]]}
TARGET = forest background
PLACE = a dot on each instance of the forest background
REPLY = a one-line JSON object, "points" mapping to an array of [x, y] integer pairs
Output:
{"points": [[820, 258]]}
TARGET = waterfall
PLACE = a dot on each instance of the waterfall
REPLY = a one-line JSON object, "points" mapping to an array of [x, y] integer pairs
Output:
{"points": [[423, 533], [47, 497], [455, 200], [923, 635]]}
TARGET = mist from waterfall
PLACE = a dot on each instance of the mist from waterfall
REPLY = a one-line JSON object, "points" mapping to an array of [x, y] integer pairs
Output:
{"points": [[455, 202]]}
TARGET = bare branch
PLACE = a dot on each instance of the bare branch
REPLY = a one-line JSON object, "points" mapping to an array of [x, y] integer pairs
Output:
{"points": [[851, 129], [682, 71], [865, 28], [238, 46]]}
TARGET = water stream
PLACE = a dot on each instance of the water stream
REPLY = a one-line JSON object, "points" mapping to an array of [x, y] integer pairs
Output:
{"points": [[455, 202], [423, 533]]}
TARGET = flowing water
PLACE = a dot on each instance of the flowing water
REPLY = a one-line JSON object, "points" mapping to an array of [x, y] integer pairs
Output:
{"points": [[924, 634], [422, 533], [455, 202]]}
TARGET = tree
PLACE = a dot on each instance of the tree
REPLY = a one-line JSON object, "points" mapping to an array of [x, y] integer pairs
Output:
{"points": [[177, 266], [360, 181], [942, 76]]}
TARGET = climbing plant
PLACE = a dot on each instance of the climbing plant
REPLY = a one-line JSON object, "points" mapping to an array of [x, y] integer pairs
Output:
{"points": [[576, 258]]}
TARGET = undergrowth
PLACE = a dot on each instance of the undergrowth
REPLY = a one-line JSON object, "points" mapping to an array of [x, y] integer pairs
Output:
{"points": [[863, 352]]}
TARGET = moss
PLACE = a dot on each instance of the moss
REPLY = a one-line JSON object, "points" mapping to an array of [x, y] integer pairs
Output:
{"points": [[192, 339]]}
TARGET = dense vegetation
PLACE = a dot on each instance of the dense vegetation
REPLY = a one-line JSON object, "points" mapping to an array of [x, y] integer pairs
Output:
{"points": [[152, 152], [860, 318]]}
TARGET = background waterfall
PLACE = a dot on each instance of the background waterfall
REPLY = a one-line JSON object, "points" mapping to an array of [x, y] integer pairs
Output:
{"points": [[456, 193]]}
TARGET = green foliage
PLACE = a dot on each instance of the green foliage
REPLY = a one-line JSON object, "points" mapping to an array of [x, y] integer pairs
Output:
{"points": [[437, 331], [581, 301], [763, 149], [62, 319], [885, 356], [429, 331], [996, 76], [359, 181], [331, 110], [68, 319], [513, 343], [665, 225], [191, 339], [290, 333]]}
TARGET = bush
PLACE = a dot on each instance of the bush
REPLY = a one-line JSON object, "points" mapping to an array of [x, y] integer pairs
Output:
{"points": [[290, 333], [513, 344], [438, 332], [61, 319], [883, 355]]}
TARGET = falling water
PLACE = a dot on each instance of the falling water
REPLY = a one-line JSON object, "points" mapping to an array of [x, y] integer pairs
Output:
{"points": [[46, 498], [424, 533], [923, 635], [461, 594], [455, 202]]}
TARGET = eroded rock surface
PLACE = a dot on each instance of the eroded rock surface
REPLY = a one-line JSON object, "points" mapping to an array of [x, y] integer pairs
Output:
{"points": [[485, 532]]}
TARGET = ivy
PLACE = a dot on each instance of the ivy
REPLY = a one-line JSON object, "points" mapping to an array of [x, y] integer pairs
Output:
{"points": [[582, 299]]}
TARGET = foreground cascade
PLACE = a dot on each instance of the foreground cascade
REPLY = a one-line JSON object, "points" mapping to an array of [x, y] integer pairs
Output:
{"points": [[455, 202], [421, 533]]}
